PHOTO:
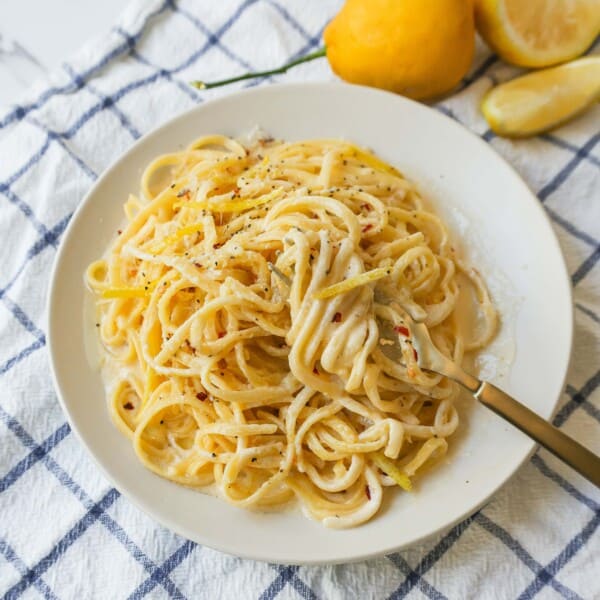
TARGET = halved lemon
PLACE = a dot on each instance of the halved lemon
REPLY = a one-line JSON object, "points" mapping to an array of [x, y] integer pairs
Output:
{"points": [[544, 99], [538, 33]]}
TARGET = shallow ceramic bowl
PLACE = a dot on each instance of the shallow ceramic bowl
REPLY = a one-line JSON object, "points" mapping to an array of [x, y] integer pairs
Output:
{"points": [[500, 226]]}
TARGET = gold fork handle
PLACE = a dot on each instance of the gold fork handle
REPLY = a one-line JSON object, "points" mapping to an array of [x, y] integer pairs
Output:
{"points": [[567, 449]]}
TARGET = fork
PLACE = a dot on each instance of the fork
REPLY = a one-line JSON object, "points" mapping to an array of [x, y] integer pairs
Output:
{"points": [[430, 358]]}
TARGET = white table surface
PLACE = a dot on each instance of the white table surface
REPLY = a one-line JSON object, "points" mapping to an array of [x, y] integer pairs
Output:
{"points": [[38, 35]]}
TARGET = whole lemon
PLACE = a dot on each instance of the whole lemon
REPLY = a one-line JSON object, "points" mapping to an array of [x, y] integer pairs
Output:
{"points": [[417, 48]]}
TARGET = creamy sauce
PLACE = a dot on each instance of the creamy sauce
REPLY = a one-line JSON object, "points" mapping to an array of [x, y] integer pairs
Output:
{"points": [[493, 363]]}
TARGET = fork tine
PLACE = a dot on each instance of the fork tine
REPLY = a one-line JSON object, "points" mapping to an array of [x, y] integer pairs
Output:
{"points": [[279, 274]]}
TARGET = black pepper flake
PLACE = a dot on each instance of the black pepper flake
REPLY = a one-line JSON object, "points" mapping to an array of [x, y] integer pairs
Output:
{"points": [[128, 406], [213, 455], [428, 403], [97, 324], [119, 231], [254, 459], [162, 422]]}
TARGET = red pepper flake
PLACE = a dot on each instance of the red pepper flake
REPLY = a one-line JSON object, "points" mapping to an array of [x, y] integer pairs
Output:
{"points": [[119, 231], [202, 396], [315, 370], [368, 492], [221, 334], [215, 246], [403, 330], [366, 206], [415, 354], [198, 265], [128, 406], [337, 317], [367, 227]]}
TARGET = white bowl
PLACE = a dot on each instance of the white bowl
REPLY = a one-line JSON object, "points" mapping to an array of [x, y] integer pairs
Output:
{"points": [[503, 229]]}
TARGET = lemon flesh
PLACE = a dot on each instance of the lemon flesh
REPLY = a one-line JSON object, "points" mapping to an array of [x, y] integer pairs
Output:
{"points": [[538, 33], [544, 99]]}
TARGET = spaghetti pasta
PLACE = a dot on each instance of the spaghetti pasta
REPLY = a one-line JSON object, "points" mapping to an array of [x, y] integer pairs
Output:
{"points": [[239, 313]]}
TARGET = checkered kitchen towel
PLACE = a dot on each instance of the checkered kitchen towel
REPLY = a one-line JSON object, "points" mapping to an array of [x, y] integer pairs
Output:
{"points": [[64, 532]]}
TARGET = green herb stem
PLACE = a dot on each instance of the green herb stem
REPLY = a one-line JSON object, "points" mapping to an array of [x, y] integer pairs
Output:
{"points": [[202, 85]]}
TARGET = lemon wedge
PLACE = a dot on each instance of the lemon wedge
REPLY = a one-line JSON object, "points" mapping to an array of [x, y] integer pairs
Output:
{"points": [[544, 99], [538, 33]]}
